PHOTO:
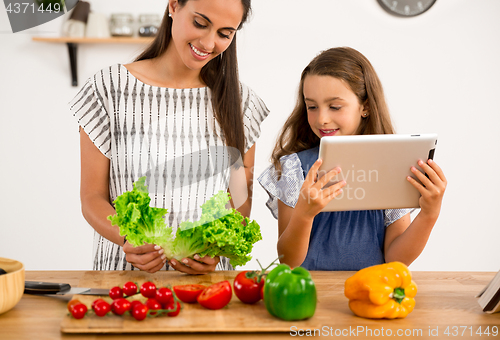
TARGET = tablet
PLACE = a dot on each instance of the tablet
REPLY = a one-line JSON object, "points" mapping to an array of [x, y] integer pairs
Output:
{"points": [[375, 169]]}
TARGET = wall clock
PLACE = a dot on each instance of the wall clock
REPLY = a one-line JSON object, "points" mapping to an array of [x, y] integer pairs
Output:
{"points": [[406, 8]]}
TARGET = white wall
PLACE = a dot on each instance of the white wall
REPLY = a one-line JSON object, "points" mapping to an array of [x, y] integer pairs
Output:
{"points": [[440, 73]]}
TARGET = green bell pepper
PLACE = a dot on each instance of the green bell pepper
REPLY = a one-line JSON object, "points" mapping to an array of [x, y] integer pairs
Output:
{"points": [[290, 294]]}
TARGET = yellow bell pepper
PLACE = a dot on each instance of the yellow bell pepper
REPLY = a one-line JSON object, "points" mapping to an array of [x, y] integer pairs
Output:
{"points": [[381, 291]]}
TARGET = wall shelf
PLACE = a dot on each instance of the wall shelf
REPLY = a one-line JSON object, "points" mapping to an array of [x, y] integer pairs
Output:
{"points": [[72, 44]]}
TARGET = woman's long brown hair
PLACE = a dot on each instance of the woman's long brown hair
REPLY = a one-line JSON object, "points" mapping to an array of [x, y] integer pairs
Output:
{"points": [[354, 70], [220, 75]]}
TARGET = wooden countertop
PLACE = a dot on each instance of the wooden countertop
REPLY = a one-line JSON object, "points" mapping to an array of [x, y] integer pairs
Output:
{"points": [[446, 307]]}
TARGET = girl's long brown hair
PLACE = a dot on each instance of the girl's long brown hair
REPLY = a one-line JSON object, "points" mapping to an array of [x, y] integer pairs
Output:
{"points": [[220, 75], [354, 70]]}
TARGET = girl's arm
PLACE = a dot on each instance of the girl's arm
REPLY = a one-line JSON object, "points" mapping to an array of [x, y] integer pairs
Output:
{"points": [[404, 241], [294, 224], [96, 206], [294, 231]]}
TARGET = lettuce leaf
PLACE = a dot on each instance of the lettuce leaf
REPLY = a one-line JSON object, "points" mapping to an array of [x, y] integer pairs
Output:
{"points": [[219, 231], [141, 223]]}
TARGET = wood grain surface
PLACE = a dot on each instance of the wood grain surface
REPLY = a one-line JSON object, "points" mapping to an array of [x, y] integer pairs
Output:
{"points": [[445, 300]]}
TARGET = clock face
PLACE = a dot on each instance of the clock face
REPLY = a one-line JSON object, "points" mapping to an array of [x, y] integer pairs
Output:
{"points": [[406, 8]]}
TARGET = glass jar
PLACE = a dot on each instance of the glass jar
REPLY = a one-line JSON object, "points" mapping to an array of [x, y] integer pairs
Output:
{"points": [[149, 24], [122, 25]]}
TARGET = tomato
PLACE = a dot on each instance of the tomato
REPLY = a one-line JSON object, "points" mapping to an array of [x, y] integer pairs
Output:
{"points": [[135, 303], [262, 292], [129, 288], [148, 289], [78, 311], [216, 296], [140, 312], [120, 306], [188, 293], [173, 304], [153, 304], [72, 303], [164, 295], [95, 302], [101, 307], [246, 287], [115, 293]]}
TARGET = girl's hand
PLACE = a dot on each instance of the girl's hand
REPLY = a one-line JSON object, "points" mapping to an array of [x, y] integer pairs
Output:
{"points": [[148, 257], [433, 187], [200, 265], [313, 196]]}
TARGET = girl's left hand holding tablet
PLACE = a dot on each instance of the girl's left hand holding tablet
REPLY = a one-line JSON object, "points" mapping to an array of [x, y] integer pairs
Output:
{"points": [[433, 188], [200, 265]]}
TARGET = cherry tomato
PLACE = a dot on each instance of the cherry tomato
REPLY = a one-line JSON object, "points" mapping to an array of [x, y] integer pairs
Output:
{"points": [[164, 295], [115, 293], [153, 304], [246, 287], [135, 303], [78, 311], [140, 312], [72, 303], [216, 296], [188, 293], [95, 302], [120, 306], [148, 289], [173, 304], [262, 292], [129, 288], [101, 307]]}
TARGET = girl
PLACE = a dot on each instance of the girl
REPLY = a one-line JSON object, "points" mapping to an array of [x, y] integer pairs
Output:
{"points": [[178, 115], [340, 94]]}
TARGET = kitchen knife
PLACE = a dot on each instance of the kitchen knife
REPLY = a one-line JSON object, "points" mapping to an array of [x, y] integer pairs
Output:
{"points": [[50, 288]]}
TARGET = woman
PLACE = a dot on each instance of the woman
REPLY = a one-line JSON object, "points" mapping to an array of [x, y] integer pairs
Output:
{"points": [[178, 115]]}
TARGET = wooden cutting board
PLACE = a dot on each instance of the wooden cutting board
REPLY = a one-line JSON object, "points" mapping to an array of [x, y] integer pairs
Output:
{"points": [[235, 317]]}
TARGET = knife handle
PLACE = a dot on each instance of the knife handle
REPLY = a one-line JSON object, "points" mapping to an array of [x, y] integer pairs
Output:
{"points": [[37, 287]]}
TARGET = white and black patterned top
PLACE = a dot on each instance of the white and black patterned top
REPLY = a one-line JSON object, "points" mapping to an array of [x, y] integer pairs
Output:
{"points": [[169, 135]]}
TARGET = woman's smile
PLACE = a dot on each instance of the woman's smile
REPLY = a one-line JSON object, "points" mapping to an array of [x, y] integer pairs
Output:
{"points": [[198, 54]]}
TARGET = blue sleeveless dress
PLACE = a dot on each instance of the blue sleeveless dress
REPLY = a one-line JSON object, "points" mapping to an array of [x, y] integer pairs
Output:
{"points": [[343, 240], [340, 240]]}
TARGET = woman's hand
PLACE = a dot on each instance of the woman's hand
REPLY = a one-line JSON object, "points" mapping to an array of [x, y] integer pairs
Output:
{"points": [[313, 196], [433, 187], [200, 265], [148, 257]]}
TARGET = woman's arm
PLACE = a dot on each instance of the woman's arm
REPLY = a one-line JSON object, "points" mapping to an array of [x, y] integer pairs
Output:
{"points": [[94, 190], [96, 207], [404, 241], [241, 184]]}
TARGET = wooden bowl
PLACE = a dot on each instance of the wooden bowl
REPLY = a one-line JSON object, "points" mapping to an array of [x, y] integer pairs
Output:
{"points": [[11, 284]]}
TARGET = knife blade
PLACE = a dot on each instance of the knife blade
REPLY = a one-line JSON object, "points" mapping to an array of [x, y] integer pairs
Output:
{"points": [[51, 288]]}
